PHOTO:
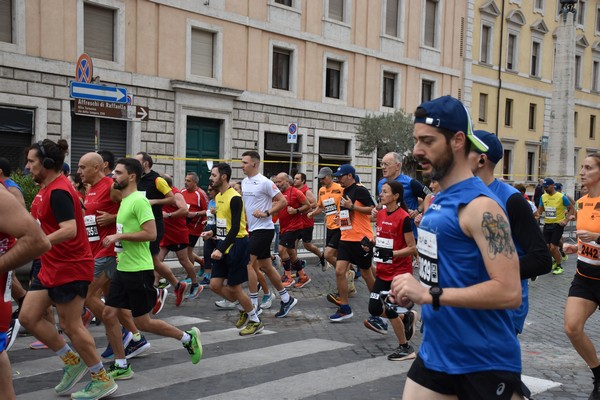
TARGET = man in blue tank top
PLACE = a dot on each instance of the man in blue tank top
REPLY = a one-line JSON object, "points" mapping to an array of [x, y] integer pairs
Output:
{"points": [[468, 267], [534, 256]]}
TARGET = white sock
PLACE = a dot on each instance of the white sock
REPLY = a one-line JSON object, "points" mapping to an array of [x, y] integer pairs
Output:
{"points": [[185, 338]]}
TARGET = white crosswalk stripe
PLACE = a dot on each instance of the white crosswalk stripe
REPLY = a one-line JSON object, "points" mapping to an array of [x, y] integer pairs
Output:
{"points": [[179, 370]]}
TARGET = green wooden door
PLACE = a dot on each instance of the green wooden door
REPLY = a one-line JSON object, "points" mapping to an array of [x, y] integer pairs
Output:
{"points": [[202, 142]]}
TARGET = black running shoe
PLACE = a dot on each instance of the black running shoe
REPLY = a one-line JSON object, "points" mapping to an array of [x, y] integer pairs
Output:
{"points": [[409, 324]]}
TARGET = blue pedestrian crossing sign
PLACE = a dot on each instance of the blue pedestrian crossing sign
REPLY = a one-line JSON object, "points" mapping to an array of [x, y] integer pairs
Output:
{"points": [[292, 133]]}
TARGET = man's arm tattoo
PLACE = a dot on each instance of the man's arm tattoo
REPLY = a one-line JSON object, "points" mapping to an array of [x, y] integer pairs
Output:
{"points": [[497, 233]]}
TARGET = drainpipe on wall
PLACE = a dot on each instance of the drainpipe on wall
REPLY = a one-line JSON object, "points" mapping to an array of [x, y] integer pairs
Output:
{"points": [[500, 68]]}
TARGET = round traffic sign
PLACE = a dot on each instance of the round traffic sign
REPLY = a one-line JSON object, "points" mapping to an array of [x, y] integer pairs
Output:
{"points": [[85, 69]]}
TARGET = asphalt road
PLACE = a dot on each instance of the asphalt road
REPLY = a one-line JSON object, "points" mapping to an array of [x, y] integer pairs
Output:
{"points": [[305, 355]]}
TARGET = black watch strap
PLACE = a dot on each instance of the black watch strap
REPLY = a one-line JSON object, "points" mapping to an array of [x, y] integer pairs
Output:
{"points": [[435, 292]]}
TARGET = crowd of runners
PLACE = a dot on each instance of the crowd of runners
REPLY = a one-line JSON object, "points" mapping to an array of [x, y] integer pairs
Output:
{"points": [[463, 249]]}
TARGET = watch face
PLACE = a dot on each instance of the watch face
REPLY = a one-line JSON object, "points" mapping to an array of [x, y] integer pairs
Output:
{"points": [[436, 290]]}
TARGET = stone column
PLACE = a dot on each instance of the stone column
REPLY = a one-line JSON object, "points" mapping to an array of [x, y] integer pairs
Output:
{"points": [[561, 149]]}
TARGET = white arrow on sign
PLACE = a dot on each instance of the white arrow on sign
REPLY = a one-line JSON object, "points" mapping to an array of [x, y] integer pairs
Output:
{"points": [[90, 91], [142, 111]]}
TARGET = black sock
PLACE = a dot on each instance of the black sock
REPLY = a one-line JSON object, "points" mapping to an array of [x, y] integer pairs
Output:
{"points": [[178, 284], [596, 372]]}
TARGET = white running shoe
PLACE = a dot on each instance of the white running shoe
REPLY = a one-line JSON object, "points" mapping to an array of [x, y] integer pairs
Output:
{"points": [[225, 304], [267, 301]]}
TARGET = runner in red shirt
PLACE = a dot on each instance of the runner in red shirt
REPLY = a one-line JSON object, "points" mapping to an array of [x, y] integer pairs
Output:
{"points": [[14, 223], [176, 238], [395, 247], [67, 270], [197, 201], [290, 220], [308, 223]]}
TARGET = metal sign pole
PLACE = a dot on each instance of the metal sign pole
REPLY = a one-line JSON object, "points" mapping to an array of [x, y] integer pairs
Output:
{"points": [[291, 157]]}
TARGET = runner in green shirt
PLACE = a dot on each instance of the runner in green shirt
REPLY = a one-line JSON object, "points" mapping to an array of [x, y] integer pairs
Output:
{"points": [[132, 288]]}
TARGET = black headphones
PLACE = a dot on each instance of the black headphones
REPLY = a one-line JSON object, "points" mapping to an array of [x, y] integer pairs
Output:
{"points": [[47, 162]]}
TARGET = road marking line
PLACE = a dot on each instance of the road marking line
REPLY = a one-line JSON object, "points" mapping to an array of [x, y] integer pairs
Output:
{"points": [[51, 363], [214, 366]]}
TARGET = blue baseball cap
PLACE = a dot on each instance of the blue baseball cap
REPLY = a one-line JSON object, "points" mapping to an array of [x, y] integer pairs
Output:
{"points": [[495, 150], [344, 169], [558, 186], [449, 113], [548, 182]]}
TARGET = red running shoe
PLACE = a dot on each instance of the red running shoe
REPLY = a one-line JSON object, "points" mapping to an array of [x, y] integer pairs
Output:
{"points": [[161, 296], [179, 293]]}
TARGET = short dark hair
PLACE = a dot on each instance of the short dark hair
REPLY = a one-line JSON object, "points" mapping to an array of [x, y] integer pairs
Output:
{"points": [[302, 176], [146, 158], [108, 157], [77, 179], [252, 154], [133, 166], [520, 187], [224, 169], [5, 167]]}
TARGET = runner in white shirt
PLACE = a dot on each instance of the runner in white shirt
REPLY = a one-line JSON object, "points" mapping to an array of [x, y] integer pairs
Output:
{"points": [[258, 193]]}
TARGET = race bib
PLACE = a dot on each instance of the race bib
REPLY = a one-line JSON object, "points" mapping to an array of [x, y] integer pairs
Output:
{"points": [[384, 250], [7, 289], [118, 244], [330, 207], [221, 228], [91, 228], [428, 258], [550, 212], [210, 218], [345, 222], [588, 253]]}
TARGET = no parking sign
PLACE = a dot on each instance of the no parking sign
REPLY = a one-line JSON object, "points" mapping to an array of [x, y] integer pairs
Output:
{"points": [[292, 133]]}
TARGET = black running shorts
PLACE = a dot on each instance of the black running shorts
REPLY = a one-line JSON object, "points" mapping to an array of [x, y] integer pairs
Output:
{"points": [[133, 291], [499, 385], [260, 243]]}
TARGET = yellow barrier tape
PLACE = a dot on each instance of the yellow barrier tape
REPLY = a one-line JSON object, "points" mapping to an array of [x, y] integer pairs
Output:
{"points": [[510, 177]]}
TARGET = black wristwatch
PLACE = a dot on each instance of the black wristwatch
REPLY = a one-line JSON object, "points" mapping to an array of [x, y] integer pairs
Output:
{"points": [[435, 292], [267, 212]]}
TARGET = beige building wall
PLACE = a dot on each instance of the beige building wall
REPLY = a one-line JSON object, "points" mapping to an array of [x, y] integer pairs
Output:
{"points": [[492, 77], [152, 60]]}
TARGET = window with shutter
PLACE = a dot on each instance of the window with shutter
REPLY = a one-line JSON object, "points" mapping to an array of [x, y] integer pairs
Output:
{"points": [[336, 10], [392, 17], [6, 26], [430, 23], [484, 57], [99, 32], [202, 53]]}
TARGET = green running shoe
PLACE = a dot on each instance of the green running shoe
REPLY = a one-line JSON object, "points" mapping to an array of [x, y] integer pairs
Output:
{"points": [[120, 373], [99, 387], [194, 346], [71, 375]]}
